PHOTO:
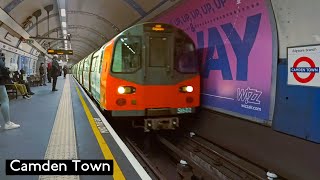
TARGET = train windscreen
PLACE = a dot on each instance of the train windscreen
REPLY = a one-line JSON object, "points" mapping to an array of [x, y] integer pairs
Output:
{"points": [[185, 58], [127, 55]]}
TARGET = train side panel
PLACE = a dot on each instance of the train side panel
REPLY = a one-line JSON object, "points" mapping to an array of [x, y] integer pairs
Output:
{"points": [[105, 68]]}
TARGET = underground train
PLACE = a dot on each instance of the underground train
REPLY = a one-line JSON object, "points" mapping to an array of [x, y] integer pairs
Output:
{"points": [[149, 70]]}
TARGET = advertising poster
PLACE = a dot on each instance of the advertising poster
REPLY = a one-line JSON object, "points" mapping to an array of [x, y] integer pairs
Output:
{"points": [[235, 44]]}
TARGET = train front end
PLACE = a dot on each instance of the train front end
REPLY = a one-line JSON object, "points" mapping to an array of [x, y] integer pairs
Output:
{"points": [[154, 74]]}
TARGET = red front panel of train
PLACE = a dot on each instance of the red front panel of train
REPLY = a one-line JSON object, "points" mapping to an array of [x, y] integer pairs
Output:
{"points": [[151, 96]]}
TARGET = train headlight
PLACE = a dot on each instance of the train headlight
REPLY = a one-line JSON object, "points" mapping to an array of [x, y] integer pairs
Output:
{"points": [[126, 90], [188, 89], [121, 90]]}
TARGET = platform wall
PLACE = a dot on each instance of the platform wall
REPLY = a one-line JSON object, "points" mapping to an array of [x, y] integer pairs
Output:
{"points": [[17, 59], [237, 46], [297, 108]]}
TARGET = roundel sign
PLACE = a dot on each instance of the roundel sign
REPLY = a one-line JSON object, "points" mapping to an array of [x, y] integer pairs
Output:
{"points": [[303, 66]]}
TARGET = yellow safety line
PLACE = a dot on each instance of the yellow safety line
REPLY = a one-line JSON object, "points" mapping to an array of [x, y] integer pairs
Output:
{"points": [[117, 173]]}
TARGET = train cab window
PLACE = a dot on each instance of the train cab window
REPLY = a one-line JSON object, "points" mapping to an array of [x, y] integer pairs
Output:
{"points": [[159, 50], [126, 57], [185, 56]]}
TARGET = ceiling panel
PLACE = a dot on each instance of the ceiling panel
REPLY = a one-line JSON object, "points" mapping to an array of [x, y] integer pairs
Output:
{"points": [[117, 12], [147, 5], [27, 7]]}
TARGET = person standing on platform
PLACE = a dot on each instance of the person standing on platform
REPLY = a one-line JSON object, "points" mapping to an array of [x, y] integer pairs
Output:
{"points": [[49, 72], [65, 71], [42, 74], [4, 99], [55, 72]]}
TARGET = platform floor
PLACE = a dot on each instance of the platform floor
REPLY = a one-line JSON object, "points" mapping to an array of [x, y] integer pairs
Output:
{"points": [[286, 155], [64, 125]]}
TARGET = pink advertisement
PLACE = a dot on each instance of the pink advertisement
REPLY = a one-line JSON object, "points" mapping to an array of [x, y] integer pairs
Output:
{"points": [[234, 39]]}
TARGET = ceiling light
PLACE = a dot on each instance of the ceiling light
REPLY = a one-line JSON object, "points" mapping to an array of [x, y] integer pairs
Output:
{"points": [[63, 12], [64, 24], [64, 31]]}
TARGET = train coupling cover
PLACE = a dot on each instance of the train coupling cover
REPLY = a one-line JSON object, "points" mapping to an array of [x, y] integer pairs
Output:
{"points": [[169, 123]]}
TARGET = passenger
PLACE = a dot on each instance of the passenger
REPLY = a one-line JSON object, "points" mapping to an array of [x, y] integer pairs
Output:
{"points": [[49, 72], [23, 79], [4, 99], [42, 75], [55, 72], [65, 71], [21, 87], [17, 77]]}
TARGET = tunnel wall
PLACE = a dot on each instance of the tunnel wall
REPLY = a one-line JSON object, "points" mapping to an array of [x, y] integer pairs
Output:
{"points": [[237, 46]]}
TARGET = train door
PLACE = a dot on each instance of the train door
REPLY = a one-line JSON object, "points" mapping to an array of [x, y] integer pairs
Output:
{"points": [[78, 72], [159, 58], [81, 72], [94, 76], [86, 73], [97, 73]]}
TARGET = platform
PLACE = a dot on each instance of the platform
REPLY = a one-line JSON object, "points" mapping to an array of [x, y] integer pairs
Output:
{"points": [[289, 156], [64, 125]]}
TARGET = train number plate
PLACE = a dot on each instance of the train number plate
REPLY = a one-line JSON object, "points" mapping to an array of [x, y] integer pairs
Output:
{"points": [[184, 110]]}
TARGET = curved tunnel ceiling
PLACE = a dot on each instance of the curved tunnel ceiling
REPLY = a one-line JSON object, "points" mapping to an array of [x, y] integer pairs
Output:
{"points": [[91, 23]]}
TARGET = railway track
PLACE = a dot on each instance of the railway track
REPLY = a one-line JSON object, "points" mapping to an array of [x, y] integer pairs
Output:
{"points": [[191, 158], [181, 155], [201, 161], [151, 169]]}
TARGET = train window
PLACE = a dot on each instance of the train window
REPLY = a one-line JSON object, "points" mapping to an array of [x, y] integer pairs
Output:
{"points": [[127, 54], [94, 62], [85, 65], [159, 50], [185, 56]]}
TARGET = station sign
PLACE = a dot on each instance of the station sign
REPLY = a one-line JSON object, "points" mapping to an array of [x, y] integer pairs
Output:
{"points": [[28, 41], [60, 51], [303, 65]]}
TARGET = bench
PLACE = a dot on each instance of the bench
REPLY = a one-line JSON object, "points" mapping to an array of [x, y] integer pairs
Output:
{"points": [[12, 89], [34, 80]]}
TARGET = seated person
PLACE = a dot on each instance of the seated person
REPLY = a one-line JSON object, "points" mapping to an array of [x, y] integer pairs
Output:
{"points": [[21, 88], [17, 77]]}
